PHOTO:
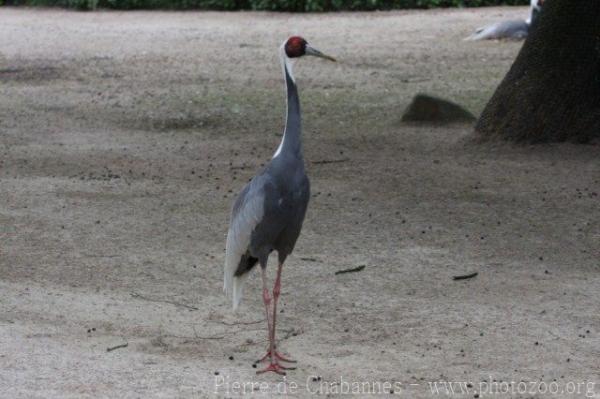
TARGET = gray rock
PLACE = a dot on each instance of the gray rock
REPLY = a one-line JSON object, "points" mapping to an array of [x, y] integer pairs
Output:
{"points": [[426, 108]]}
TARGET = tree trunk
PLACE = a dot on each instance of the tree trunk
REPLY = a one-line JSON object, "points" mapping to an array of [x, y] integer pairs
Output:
{"points": [[552, 91]]}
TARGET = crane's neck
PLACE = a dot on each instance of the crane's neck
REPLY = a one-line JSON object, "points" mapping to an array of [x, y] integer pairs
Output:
{"points": [[291, 143], [534, 11]]}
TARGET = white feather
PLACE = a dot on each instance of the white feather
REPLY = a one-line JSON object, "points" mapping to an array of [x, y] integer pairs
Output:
{"points": [[280, 147], [534, 7], [485, 32], [286, 62], [243, 222]]}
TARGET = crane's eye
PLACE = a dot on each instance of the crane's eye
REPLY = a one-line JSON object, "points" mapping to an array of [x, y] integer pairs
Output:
{"points": [[295, 47]]}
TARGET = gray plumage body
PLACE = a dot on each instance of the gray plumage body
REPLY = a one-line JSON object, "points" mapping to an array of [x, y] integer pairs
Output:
{"points": [[284, 190], [268, 213], [511, 30], [514, 30]]}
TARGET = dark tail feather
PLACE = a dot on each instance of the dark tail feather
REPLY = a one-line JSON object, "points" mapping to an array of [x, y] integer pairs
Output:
{"points": [[246, 264]]}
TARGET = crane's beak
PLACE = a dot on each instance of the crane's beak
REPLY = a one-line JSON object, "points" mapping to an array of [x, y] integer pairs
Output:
{"points": [[316, 53]]}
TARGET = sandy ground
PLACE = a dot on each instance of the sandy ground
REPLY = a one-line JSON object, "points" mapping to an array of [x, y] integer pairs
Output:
{"points": [[125, 136]]}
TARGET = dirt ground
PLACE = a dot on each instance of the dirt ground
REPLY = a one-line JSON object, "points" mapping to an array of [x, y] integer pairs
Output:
{"points": [[125, 136]]}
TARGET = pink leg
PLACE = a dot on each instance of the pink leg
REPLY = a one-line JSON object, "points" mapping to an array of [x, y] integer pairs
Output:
{"points": [[276, 293], [273, 365], [272, 352], [267, 302]]}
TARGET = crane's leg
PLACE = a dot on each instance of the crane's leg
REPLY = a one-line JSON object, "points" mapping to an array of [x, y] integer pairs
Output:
{"points": [[267, 302], [272, 351], [276, 293], [273, 365]]}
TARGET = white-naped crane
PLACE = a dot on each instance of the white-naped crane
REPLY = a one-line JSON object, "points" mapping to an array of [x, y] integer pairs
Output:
{"points": [[268, 213], [512, 29]]}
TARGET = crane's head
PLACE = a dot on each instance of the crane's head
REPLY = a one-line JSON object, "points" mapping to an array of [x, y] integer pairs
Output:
{"points": [[536, 7], [296, 47]]}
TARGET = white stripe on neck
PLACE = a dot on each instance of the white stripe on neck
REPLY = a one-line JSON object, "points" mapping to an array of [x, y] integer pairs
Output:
{"points": [[286, 63]]}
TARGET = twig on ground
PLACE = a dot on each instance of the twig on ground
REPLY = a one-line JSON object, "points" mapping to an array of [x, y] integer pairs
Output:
{"points": [[159, 341], [183, 305], [196, 336], [310, 259], [243, 323], [353, 270], [326, 161], [112, 348], [465, 276]]}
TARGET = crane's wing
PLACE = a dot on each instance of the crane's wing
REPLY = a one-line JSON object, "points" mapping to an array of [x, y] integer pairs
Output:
{"points": [[254, 206]]}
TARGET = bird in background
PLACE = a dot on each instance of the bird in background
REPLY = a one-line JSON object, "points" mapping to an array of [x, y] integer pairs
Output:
{"points": [[267, 214], [513, 29]]}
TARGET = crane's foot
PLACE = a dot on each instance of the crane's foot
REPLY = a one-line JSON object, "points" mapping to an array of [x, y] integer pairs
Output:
{"points": [[276, 368], [277, 356]]}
